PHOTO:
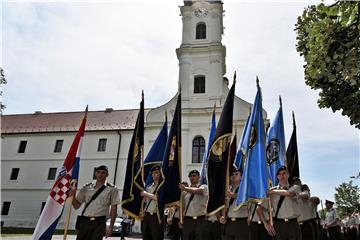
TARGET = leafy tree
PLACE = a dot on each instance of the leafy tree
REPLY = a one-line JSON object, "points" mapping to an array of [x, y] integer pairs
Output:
{"points": [[329, 39], [347, 196], [2, 81]]}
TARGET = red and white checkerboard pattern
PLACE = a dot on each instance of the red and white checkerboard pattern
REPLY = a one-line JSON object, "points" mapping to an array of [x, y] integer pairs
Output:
{"points": [[59, 192]]}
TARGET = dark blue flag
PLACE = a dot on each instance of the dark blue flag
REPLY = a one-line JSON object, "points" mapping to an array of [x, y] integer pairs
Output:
{"points": [[169, 192], [206, 154], [154, 157], [218, 156], [255, 179], [275, 145], [131, 199]]}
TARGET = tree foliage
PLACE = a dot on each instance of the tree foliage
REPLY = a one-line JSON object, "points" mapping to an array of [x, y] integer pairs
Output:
{"points": [[347, 197], [328, 38]]}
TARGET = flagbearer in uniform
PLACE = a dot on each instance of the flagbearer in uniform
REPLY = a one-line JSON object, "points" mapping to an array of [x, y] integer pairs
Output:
{"points": [[332, 221], [153, 228], [195, 196], [96, 211], [285, 207], [306, 214], [236, 227]]}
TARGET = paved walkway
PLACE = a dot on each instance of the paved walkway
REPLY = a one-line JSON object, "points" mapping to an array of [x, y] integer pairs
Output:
{"points": [[60, 237]]}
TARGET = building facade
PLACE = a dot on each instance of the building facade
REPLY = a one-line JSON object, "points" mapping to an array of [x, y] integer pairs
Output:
{"points": [[35, 145]]}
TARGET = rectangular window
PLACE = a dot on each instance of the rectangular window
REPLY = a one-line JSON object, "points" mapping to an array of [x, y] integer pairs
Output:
{"points": [[5, 208], [52, 174], [42, 206], [102, 145], [58, 146], [14, 173], [199, 84], [22, 146]]}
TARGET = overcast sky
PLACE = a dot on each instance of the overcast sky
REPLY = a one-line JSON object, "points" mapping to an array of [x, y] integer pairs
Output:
{"points": [[61, 56]]}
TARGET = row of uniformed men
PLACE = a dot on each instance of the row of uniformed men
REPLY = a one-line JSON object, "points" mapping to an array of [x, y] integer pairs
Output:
{"points": [[294, 212]]}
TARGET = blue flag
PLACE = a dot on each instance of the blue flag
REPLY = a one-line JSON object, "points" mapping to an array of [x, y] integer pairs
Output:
{"points": [[275, 145], [206, 154], [241, 152], [154, 157], [254, 183]]}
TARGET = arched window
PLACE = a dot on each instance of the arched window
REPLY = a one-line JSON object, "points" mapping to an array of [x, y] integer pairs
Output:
{"points": [[199, 84], [198, 149], [201, 31]]}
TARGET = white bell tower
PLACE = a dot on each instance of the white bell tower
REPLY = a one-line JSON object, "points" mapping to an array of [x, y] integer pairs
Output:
{"points": [[201, 54]]}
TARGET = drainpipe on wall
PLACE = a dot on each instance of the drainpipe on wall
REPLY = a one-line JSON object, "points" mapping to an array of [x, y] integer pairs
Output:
{"points": [[117, 157]]}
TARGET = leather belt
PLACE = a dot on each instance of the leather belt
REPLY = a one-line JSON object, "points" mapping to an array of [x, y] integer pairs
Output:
{"points": [[150, 213], [258, 222], [94, 218], [236, 219], [302, 222], [195, 217], [287, 220]]}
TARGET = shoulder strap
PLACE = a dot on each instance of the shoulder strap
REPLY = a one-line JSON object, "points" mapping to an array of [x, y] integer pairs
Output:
{"points": [[148, 204], [187, 206], [253, 213], [281, 200], [233, 199], [93, 198]]}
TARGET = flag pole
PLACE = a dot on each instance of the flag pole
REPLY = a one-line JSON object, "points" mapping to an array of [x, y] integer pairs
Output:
{"points": [[69, 203], [142, 151]]}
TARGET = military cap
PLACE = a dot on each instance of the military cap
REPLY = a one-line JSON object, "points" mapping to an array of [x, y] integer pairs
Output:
{"points": [[194, 171], [305, 187], [282, 168], [329, 202], [102, 167], [155, 167], [294, 179]]}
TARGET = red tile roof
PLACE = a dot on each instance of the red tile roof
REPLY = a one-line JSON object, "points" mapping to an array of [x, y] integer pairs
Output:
{"points": [[69, 121]]}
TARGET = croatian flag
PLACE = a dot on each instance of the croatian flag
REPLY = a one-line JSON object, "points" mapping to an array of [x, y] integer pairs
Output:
{"points": [[68, 174]]}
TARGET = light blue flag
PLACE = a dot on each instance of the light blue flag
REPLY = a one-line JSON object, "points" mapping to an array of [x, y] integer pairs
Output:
{"points": [[254, 183], [206, 153], [244, 143], [275, 145]]}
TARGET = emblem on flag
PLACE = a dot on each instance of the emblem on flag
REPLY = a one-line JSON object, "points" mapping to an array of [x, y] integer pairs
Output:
{"points": [[272, 151], [172, 151]]}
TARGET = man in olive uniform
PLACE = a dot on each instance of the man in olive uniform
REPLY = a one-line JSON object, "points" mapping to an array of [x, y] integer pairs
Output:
{"points": [[153, 228], [285, 206], [306, 214], [195, 197], [93, 221], [332, 221], [236, 227]]}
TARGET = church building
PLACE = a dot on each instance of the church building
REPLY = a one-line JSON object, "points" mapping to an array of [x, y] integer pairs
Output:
{"points": [[35, 145]]}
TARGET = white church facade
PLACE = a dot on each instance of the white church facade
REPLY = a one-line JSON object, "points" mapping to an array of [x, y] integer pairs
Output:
{"points": [[35, 145]]}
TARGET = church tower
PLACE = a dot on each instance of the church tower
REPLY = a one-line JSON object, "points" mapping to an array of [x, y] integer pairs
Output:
{"points": [[201, 54]]}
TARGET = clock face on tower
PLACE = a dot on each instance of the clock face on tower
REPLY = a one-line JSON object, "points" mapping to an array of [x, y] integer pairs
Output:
{"points": [[201, 12]]}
